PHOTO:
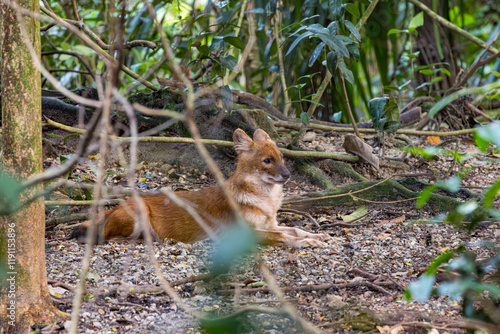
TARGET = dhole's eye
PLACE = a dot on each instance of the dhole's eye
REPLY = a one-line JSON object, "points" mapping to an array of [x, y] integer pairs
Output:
{"points": [[267, 161]]}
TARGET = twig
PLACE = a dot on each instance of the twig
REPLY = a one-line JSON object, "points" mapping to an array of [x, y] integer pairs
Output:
{"points": [[480, 62], [479, 112], [311, 218], [137, 305], [453, 27], [55, 283], [338, 195], [316, 287], [381, 202]]}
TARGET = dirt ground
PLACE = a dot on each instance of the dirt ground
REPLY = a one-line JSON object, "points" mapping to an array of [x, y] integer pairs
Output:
{"points": [[353, 284]]}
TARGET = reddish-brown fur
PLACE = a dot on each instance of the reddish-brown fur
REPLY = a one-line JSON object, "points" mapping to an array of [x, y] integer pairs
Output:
{"points": [[256, 185]]}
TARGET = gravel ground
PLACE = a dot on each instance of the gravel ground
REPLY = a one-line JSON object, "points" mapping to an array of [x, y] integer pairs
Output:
{"points": [[356, 281]]}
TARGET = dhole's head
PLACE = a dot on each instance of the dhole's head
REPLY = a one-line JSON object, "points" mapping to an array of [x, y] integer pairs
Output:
{"points": [[260, 157]]}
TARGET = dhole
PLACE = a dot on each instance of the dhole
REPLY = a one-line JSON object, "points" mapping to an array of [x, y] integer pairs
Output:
{"points": [[256, 185]]}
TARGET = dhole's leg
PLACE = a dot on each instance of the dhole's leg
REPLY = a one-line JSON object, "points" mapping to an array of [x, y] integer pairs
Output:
{"points": [[122, 225]]}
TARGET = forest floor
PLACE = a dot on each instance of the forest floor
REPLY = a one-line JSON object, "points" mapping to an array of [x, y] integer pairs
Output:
{"points": [[356, 282]]}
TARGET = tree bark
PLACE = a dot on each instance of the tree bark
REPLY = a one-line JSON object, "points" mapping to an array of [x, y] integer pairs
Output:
{"points": [[24, 296]]}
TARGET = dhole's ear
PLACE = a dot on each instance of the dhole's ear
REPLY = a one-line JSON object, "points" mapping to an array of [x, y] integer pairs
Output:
{"points": [[261, 135], [241, 141]]}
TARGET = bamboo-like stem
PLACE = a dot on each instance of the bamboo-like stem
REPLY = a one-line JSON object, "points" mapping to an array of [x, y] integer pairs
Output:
{"points": [[433, 15], [349, 111], [286, 100]]}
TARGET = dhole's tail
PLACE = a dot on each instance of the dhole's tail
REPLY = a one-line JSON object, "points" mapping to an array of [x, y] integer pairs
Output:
{"points": [[80, 233]]}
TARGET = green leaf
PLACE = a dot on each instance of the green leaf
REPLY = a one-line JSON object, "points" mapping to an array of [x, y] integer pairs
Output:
{"points": [[203, 49], [353, 9], [424, 196], [467, 207], [427, 72], [335, 43], [416, 21], [353, 50], [83, 50], [376, 110], [436, 79], [358, 213], [316, 53], [396, 31], [352, 29], [346, 72], [10, 190], [491, 194], [234, 41], [443, 258], [305, 118], [487, 134], [237, 241], [391, 126], [336, 8], [297, 40], [229, 62], [421, 289], [331, 61], [337, 117]]}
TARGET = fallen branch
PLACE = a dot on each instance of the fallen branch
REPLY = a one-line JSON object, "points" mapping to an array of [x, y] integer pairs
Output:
{"points": [[183, 140], [316, 287]]}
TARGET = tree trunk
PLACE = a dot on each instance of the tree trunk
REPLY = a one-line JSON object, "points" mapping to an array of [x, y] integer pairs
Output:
{"points": [[24, 297]]}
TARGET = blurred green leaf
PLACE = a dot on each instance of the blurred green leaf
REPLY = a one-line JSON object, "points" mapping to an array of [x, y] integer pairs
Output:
{"points": [[421, 289], [336, 8], [229, 62], [10, 190], [331, 61], [305, 118], [352, 29], [234, 41], [376, 110], [491, 193], [353, 9], [316, 53], [297, 40], [346, 72], [236, 241], [416, 21]]}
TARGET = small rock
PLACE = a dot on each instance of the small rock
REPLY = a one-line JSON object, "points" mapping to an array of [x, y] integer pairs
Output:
{"points": [[309, 136], [165, 168], [335, 301]]}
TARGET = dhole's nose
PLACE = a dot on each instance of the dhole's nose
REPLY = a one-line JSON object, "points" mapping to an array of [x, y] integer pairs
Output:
{"points": [[285, 174]]}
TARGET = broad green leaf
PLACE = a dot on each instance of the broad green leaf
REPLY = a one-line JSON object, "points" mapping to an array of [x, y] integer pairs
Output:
{"points": [[347, 73], [353, 9], [352, 29], [221, 4], [83, 50], [491, 194], [234, 41], [416, 21], [436, 79], [229, 62], [333, 26], [376, 110], [335, 43], [305, 118], [317, 28], [467, 207], [316, 53], [297, 40], [331, 61], [443, 258], [336, 8], [421, 289]]}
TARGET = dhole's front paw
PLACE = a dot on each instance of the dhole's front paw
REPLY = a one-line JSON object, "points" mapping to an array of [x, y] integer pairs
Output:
{"points": [[308, 242], [322, 237]]}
